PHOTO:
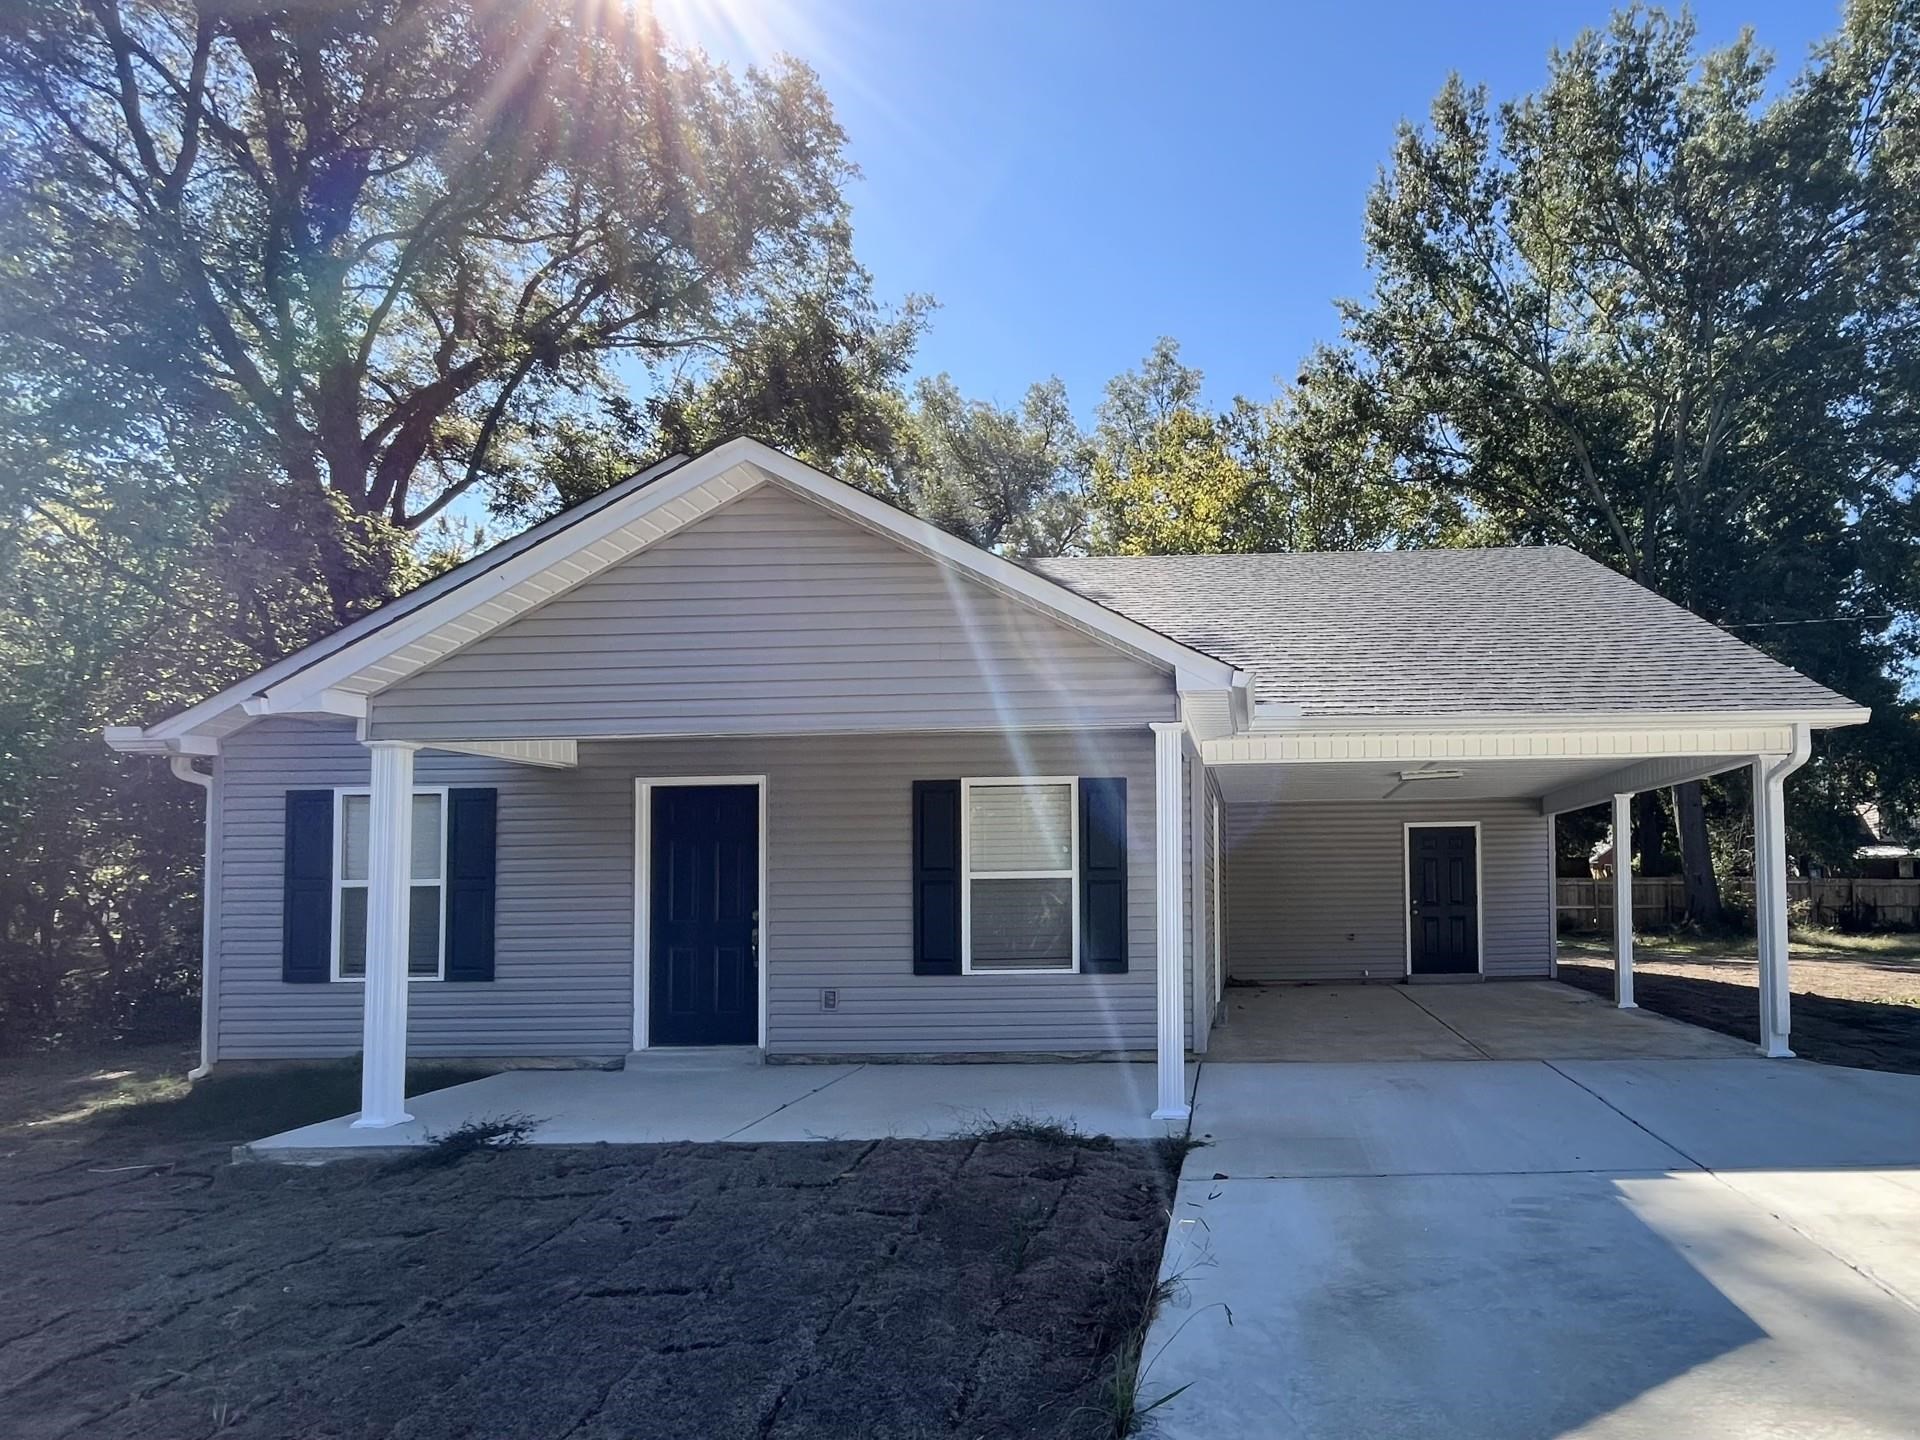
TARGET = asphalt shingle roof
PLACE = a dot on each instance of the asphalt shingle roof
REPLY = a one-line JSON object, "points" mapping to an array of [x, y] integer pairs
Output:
{"points": [[1443, 632]]}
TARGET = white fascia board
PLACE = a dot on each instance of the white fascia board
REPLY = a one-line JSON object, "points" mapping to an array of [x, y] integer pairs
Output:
{"points": [[1194, 669], [1450, 745], [1276, 719]]}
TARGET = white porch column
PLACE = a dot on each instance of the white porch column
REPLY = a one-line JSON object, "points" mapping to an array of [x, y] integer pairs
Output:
{"points": [[383, 1060], [1623, 902], [1168, 813], [1770, 904]]}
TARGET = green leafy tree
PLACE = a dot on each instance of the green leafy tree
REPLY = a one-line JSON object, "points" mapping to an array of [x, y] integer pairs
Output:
{"points": [[1655, 314], [286, 288], [390, 242], [1292, 473], [1009, 480], [1179, 491]]}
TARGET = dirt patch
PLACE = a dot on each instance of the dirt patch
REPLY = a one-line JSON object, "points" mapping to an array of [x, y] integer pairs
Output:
{"points": [[1852, 1005], [904, 1289]]}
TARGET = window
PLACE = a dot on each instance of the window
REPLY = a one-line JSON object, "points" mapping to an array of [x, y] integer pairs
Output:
{"points": [[427, 897], [1020, 849]]}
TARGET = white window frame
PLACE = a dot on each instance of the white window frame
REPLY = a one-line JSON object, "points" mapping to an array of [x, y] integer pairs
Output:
{"points": [[341, 883], [1072, 873]]}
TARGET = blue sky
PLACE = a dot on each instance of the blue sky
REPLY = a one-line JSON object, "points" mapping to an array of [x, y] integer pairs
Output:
{"points": [[1071, 179]]}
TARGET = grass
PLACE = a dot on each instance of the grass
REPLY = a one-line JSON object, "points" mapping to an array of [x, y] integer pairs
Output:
{"points": [[503, 1132], [147, 1091], [246, 1105], [1809, 944]]}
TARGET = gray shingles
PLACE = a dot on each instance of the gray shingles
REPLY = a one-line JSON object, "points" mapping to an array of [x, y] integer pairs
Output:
{"points": [[1444, 632]]}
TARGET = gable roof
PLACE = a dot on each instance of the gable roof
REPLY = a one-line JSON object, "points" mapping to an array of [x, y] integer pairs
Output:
{"points": [[337, 673], [1533, 630]]}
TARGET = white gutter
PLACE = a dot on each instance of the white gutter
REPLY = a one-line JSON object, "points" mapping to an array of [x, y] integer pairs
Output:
{"points": [[182, 767]]}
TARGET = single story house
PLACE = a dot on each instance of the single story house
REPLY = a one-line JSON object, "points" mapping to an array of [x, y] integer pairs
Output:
{"points": [[737, 754]]}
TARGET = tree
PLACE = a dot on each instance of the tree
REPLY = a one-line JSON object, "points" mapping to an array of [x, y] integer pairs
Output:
{"points": [[1293, 473], [1013, 481], [820, 378], [1653, 314], [392, 242]]}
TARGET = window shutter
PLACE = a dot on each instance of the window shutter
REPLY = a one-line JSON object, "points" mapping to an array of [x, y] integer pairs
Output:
{"points": [[306, 944], [471, 818], [1103, 876], [936, 877]]}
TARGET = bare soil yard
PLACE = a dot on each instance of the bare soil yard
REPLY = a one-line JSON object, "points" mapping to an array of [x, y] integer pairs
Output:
{"points": [[1856, 998], [901, 1289]]}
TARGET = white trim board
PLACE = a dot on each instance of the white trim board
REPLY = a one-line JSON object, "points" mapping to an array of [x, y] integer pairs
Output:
{"points": [[1407, 827], [643, 788]]}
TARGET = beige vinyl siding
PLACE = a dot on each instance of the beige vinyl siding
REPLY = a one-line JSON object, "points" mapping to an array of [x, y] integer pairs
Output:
{"points": [[1318, 891], [839, 907], [774, 615]]}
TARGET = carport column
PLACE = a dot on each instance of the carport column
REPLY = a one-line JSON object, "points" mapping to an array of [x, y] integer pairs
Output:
{"points": [[1770, 892], [1623, 902], [1169, 883], [383, 1058]]}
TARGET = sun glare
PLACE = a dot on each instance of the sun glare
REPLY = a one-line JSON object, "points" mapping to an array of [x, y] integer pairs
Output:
{"points": [[737, 31]]}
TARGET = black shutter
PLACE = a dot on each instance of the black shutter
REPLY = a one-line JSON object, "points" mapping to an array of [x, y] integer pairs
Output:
{"points": [[936, 877], [306, 944], [1103, 876], [470, 869]]}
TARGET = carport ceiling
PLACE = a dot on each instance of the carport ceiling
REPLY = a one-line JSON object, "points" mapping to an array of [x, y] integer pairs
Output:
{"points": [[1380, 779]]}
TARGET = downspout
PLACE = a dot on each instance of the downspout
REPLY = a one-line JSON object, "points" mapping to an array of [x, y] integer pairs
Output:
{"points": [[182, 767], [1771, 890]]}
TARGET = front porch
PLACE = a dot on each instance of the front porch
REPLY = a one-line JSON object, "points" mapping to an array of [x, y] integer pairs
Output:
{"points": [[709, 1097], [725, 1096]]}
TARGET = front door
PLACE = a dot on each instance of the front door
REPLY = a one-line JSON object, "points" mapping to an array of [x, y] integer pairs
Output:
{"points": [[1443, 884], [703, 908]]}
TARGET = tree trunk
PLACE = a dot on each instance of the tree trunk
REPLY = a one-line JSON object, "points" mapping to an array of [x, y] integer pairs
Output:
{"points": [[1696, 858], [1650, 834]]}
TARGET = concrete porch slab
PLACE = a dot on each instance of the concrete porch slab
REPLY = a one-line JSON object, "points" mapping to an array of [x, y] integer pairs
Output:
{"points": [[1410, 1118], [1491, 1020], [1545, 1020], [678, 1100], [930, 1102], [1331, 1023]]}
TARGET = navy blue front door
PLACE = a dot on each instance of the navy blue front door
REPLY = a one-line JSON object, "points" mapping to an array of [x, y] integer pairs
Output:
{"points": [[704, 916], [1443, 881]]}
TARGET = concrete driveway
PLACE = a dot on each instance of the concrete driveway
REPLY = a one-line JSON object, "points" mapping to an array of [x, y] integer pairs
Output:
{"points": [[1525, 1249]]}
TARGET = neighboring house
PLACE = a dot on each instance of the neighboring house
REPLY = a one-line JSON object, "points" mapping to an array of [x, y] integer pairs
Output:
{"points": [[1880, 855], [735, 754]]}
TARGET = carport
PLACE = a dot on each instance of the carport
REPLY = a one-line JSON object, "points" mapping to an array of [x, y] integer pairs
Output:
{"points": [[1397, 849]]}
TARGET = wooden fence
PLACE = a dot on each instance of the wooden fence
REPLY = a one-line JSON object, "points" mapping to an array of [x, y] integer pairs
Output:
{"points": [[1659, 903]]}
